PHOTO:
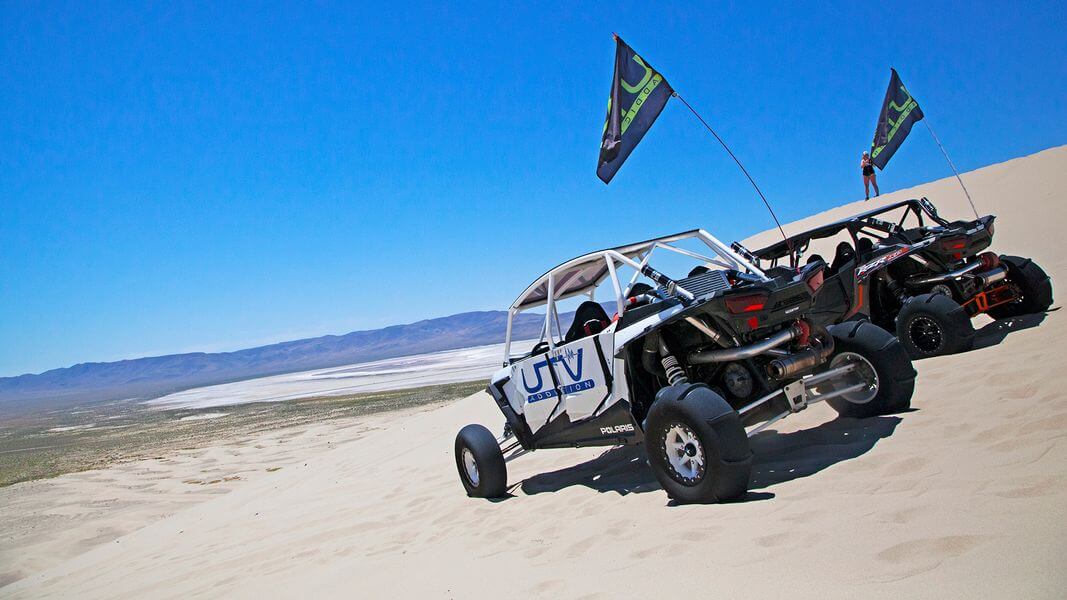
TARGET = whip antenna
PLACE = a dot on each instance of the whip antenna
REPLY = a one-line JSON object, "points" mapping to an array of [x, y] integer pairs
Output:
{"points": [[954, 171], [741, 166]]}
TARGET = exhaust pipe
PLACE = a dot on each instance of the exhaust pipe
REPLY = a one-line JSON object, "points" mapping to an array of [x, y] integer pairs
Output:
{"points": [[703, 357], [993, 276], [946, 276], [780, 368], [702, 327]]}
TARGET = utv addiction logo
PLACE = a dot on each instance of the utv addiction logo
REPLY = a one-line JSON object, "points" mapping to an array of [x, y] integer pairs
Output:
{"points": [[572, 366], [638, 94], [899, 112], [643, 88], [902, 115]]}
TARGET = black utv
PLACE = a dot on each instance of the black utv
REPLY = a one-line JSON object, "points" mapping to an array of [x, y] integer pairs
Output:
{"points": [[911, 271]]}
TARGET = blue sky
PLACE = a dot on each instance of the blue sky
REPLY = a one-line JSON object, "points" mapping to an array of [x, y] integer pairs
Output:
{"points": [[179, 177]]}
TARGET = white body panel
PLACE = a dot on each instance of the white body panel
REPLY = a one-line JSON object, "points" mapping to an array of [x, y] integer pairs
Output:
{"points": [[582, 377], [643, 326], [575, 369]]}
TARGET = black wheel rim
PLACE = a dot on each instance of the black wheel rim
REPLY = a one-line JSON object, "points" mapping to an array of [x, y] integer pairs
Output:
{"points": [[926, 334]]}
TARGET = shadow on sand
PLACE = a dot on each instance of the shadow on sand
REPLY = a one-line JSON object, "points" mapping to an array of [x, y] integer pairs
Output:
{"points": [[782, 457], [995, 332], [779, 457]]}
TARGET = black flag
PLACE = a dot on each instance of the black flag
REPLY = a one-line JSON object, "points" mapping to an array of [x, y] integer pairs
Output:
{"points": [[899, 112], [638, 95]]}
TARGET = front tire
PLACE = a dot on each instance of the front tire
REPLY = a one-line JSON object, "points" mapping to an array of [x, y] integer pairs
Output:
{"points": [[1033, 282], [481, 463], [697, 446], [932, 325], [881, 362]]}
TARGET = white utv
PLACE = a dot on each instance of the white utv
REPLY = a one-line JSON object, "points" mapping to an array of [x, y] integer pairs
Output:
{"points": [[690, 366]]}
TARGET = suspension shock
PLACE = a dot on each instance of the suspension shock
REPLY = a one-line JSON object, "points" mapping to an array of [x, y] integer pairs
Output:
{"points": [[656, 355], [674, 371], [894, 287], [671, 368]]}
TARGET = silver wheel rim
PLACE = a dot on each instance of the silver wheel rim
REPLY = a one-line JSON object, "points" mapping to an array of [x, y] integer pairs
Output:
{"points": [[864, 372], [684, 453], [470, 466]]}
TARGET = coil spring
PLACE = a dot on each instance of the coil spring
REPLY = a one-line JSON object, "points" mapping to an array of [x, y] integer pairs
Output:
{"points": [[675, 373]]}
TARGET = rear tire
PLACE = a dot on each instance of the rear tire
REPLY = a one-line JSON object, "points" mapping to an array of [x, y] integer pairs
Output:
{"points": [[893, 375], [932, 325], [1034, 284], [697, 446], [481, 463]]}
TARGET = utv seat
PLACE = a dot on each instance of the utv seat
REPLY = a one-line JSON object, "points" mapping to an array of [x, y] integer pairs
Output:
{"points": [[864, 246], [639, 288], [815, 258], [844, 255], [589, 319]]}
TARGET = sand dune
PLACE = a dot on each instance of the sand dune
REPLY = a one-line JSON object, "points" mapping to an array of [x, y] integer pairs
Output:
{"points": [[964, 497]]}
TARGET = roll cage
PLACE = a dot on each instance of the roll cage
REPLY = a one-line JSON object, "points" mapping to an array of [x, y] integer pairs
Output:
{"points": [[582, 275], [864, 224]]}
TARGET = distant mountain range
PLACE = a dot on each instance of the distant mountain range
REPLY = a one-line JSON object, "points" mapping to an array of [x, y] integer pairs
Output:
{"points": [[159, 375]]}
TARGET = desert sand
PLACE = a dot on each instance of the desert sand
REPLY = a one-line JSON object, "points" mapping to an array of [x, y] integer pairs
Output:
{"points": [[964, 497]]}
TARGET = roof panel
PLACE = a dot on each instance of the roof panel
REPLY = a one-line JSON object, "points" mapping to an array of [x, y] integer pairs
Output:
{"points": [[580, 274]]}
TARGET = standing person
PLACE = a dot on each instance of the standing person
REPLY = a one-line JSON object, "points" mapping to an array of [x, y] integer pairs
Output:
{"points": [[869, 179]]}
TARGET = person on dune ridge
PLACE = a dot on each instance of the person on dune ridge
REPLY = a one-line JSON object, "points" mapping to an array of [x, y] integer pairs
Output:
{"points": [[867, 167]]}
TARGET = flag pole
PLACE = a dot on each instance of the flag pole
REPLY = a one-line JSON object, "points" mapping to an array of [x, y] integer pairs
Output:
{"points": [[741, 166], [954, 171]]}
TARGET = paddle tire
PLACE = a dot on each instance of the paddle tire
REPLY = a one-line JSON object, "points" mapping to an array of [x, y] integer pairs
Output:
{"points": [[697, 446], [932, 325], [480, 462], [1033, 283], [880, 361]]}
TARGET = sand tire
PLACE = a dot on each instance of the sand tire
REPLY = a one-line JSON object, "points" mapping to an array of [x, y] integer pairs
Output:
{"points": [[480, 463], [697, 447], [932, 325], [881, 362], [1032, 281]]}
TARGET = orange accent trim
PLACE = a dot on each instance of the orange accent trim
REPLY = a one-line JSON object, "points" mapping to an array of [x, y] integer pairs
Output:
{"points": [[982, 300]]}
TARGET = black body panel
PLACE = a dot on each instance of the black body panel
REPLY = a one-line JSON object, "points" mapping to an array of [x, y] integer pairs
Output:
{"points": [[614, 426]]}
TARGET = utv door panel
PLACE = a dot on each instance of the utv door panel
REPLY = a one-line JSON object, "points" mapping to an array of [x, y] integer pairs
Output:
{"points": [[582, 377], [535, 385]]}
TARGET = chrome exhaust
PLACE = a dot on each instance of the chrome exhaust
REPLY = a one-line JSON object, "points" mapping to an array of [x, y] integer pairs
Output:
{"points": [[993, 276], [780, 368], [703, 357], [946, 276]]}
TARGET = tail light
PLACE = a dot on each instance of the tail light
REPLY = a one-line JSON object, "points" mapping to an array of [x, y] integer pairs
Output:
{"points": [[990, 229], [954, 244], [746, 303], [816, 280], [989, 260]]}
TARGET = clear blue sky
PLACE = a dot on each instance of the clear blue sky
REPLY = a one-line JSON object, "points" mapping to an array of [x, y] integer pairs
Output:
{"points": [[177, 177]]}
